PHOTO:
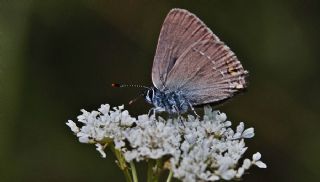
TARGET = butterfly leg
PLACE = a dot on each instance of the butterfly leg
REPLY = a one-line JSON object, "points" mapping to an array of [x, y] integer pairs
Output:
{"points": [[151, 111], [180, 118], [154, 110], [193, 110], [176, 109]]}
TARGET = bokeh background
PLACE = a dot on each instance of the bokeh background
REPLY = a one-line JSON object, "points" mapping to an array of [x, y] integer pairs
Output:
{"points": [[57, 57]]}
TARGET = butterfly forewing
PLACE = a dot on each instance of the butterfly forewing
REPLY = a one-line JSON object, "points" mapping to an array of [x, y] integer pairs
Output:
{"points": [[207, 72], [179, 31]]}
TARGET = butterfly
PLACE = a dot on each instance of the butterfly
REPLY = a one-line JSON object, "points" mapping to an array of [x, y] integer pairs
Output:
{"points": [[191, 67]]}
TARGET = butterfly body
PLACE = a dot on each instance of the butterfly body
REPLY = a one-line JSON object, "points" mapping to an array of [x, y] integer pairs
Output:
{"points": [[171, 102]]}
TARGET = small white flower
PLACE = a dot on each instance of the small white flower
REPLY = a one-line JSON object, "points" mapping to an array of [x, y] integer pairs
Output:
{"points": [[256, 160], [100, 149], [74, 128]]}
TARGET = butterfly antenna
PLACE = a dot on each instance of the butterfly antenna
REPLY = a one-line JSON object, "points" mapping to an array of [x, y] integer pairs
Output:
{"points": [[117, 85]]}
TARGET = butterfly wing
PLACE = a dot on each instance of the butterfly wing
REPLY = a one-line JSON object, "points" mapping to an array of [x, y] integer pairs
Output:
{"points": [[179, 31], [207, 72]]}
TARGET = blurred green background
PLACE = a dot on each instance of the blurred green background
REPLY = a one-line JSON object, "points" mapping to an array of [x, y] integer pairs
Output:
{"points": [[57, 57]]}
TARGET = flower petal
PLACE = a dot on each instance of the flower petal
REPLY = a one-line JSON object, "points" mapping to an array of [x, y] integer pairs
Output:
{"points": [[248, 133], [260, 164], [256, 156]]}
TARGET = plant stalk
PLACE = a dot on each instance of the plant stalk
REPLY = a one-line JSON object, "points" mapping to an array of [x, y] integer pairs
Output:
{"points": [[150, 175], [134, 172], [121, 163], [169, 176]]}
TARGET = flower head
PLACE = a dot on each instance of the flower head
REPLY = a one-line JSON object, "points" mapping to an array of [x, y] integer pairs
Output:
{"points": [[205, 149]]}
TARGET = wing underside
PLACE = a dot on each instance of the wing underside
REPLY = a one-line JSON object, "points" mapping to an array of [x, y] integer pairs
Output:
{"points": [[191, 59], [179, 31], [207, 72]]}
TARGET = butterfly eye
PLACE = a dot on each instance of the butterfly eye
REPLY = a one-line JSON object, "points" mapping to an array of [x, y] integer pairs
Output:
{"points": [[150, 94]]}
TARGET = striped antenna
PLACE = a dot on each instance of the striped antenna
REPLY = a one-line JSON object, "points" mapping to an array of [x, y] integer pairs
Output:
{"points": [[117, 85], [125, 85]]}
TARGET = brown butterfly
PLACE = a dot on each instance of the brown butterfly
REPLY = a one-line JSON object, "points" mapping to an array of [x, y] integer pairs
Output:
{"points": [[191, 66]]}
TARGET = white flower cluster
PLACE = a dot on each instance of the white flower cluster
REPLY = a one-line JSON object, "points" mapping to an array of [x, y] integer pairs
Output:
{"points": [[198, 150], [211, 150], [152, 139], [103, 126]]}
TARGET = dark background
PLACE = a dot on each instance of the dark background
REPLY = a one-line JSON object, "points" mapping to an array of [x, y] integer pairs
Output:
{"points": [[57, 57]]}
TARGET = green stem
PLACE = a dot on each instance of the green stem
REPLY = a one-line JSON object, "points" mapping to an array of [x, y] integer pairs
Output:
{"points": [[121, 163], [159, 166], [158, 169], [150, 170], [154, 170], [134, 171], [169, 176]]}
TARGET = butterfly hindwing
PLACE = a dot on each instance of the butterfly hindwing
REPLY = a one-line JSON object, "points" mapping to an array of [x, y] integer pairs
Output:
{"points": [[207, 72], [179, 31]]}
